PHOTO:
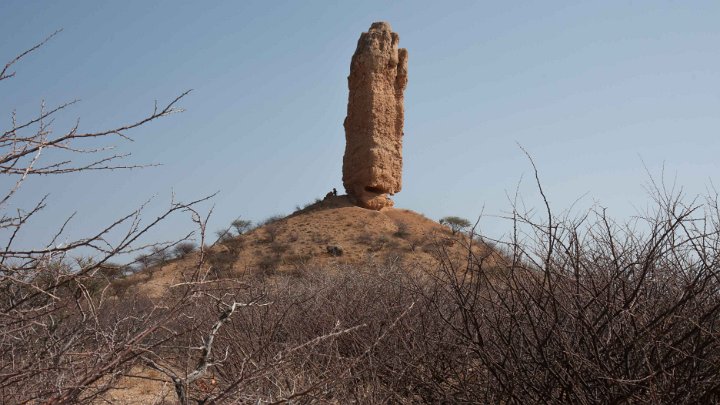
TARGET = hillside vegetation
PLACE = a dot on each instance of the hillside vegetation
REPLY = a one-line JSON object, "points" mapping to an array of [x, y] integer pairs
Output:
{"points": [[326, 234], [575, 311]]}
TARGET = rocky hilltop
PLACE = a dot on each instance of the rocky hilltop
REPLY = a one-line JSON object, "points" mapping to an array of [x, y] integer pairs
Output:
{"points": [[332, 234], [372, 165]]}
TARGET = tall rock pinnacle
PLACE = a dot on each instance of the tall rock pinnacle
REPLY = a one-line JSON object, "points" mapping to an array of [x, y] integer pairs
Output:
{"points": [[372, 165]]}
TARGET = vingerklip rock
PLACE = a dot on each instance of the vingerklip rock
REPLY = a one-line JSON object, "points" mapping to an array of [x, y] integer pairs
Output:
{"points": [[372, 164]]}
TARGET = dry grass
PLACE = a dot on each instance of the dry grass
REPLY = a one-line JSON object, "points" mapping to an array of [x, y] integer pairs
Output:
{"points": [[303, 237]]}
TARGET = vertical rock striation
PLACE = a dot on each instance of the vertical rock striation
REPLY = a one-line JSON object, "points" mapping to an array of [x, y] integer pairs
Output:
{"points": [[372, 164]]}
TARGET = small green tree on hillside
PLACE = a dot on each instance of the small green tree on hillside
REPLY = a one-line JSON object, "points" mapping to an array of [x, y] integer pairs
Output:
{"points": [[455, 223], [241, 225]]}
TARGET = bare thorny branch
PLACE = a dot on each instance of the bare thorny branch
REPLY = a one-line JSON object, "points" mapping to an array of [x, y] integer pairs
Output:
{"points": [[55, 314]]}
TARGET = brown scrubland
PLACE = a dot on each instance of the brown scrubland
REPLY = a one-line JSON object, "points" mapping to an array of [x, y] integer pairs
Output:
{"points": [[339, 304]]}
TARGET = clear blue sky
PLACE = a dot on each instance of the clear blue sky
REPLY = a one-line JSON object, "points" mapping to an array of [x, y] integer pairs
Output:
{"points": [[590, 89]]}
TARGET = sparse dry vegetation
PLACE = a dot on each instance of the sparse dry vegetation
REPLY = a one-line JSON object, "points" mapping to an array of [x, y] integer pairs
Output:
{"points": [[583, 311], [183, 249], [64, 338], [577, 310]]}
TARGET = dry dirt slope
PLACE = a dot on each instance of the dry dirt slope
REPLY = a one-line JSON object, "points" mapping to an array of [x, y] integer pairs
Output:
{"points": [[328, 234], [298, 241]]}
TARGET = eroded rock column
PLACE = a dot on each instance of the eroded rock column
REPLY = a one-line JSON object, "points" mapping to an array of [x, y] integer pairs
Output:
{"points": [[372, 164]]}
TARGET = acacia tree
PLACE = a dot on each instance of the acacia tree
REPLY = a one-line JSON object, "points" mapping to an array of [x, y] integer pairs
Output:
{"points": [[241, 225], [456, 224]]}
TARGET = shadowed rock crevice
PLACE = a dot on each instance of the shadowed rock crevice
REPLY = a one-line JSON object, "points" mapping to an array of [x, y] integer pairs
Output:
{"points": [[376, 190], [372, 164]]}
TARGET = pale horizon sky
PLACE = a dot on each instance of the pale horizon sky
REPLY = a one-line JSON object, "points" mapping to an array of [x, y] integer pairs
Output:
{"points": [[593, 91]]}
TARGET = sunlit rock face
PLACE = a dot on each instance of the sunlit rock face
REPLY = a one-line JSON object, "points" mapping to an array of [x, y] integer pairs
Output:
{"points": [[372, 164]]}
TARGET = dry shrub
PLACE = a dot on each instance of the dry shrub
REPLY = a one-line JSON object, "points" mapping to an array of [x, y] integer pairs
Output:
{"points": [[222, 262], [365, 238], [592, 311], [269, 264], [236, 244], [582, 313], [64, 337], [183, 249], [279, 248], [297, 260], [338, 335], [272, 230], [126, 285], [320, 238], [403, 230]]}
